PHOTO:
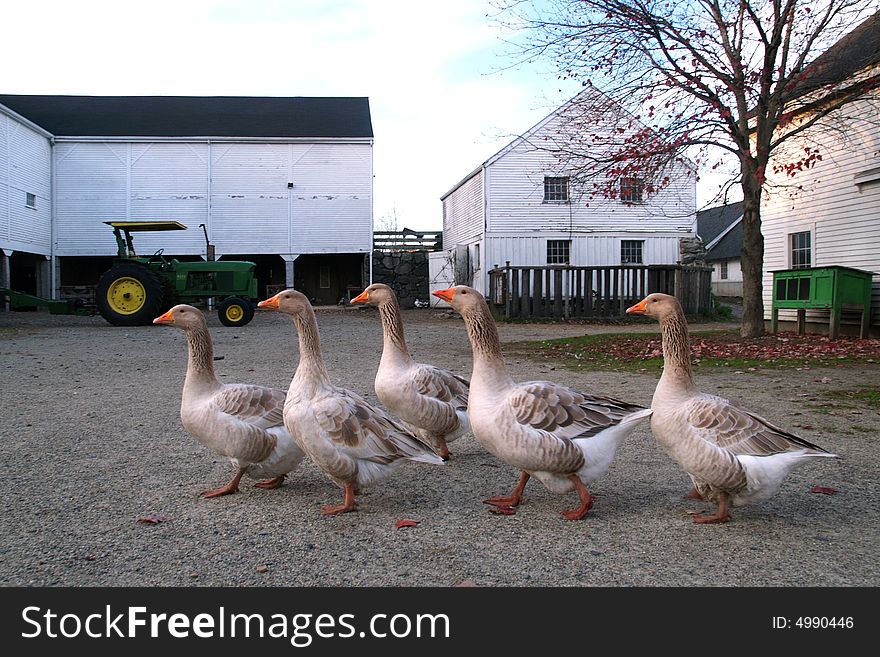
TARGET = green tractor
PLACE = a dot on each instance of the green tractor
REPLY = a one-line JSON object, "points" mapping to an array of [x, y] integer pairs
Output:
{"points": [[137, 289]]}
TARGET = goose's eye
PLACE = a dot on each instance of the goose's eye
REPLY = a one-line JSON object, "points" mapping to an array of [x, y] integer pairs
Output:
{"points": [[464, 291]]}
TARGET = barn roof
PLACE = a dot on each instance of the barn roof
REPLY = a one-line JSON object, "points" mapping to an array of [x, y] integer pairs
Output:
{"points": [[195, 116], [721, 230]]}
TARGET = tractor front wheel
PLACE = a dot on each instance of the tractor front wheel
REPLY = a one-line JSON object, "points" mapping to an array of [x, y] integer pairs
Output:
{"points": [[129, 295], [234, 311]]}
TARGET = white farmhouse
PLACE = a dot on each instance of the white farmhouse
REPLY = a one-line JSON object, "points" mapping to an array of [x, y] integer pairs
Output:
{"points": [[523, 206], [721, 230], [284, 182], [828, 214]]}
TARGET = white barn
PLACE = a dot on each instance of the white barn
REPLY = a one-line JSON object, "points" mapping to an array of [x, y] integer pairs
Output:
{"points": [[518, 206], [284, 182], [829, 213]]}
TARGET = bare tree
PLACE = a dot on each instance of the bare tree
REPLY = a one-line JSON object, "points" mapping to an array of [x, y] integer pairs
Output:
{"points": [[696, 78]]}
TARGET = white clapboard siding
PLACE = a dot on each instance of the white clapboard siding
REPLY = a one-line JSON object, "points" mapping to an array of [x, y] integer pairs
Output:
{"points": [[441, 274], [843, 217], [239, 190], [463, 211], [25, 168]]}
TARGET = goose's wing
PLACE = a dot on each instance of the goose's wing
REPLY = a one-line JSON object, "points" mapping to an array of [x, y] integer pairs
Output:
{"points": [[720, 422], [365, 432], [564, 412], [258, 406], [441, 384]]}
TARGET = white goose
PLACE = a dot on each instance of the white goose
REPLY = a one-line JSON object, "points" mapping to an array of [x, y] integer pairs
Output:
{"points": [[354, 443], [732, 455], [565, 438], [432, 402], [241, 421]]}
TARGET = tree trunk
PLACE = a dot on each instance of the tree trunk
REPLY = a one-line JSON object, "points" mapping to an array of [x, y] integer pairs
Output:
{"points": [[752, 257]]}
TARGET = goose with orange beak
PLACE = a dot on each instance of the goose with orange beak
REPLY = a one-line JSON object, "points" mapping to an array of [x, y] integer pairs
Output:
{"points": [[431, 401], [354, 443], [565, 438], [733, 456], [241, 421]]}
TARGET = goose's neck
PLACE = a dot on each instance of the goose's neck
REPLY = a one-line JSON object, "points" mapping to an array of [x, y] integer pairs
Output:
{"points": [[486, 346], [393, 341], [311, 371], [677, 369], [200, 362]]}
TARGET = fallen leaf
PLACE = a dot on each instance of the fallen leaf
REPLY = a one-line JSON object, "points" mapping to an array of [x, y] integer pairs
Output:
{"points": [[825, 490], [152, 520], [467, 583], [406, 523], [262, 568]]}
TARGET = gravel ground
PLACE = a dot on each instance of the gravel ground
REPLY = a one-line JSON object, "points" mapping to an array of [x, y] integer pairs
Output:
{"points": [[92, 442]]}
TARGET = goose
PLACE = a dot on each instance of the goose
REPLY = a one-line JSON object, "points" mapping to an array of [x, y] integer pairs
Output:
{"points": [[354, 443], [241, 421], [432, 402], [733, 456], [565, 438]]}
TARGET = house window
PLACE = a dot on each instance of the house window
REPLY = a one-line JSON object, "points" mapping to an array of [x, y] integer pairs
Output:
{"points": [[724, 270], [324, 277], [555, 190], [631, 252], [631, 190], [558, 252], [30, 200], [801, 250]]}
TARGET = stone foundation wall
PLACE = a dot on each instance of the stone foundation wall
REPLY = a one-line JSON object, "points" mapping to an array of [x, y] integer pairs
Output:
{"points": [[405, 272]]}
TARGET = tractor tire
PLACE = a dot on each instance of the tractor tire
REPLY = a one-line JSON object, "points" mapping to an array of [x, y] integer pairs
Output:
{"points": [[234, 311], [129, 294]]}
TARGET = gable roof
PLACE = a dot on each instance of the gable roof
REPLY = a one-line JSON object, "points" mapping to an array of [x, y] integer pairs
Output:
{"points": [[721, 231], [855, 51], [195, 116]]}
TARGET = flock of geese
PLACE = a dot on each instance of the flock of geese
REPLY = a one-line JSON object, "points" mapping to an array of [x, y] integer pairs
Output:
{"points": [[565, 438]]}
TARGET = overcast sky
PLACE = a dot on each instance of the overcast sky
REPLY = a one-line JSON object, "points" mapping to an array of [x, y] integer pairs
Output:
{"points": [[442, 94]]}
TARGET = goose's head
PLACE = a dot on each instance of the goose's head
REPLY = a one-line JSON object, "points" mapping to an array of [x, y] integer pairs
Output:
{"points": [[463, 299], [182, 316], [375, 295], [656, 305], [288, 301]]}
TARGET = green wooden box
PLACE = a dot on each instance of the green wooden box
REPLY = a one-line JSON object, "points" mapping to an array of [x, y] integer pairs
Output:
{"points": [[833, 288]]}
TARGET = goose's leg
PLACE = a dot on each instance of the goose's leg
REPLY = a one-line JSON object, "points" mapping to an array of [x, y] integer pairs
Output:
{"points": [[228, 489], [585, 497], [268, 484], [693, 494], [721, 515], [443, 452], [346, 506], [506, 505]]}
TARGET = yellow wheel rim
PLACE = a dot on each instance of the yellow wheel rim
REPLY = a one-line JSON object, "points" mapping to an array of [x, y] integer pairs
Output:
{"points": [[234, 313], [126, 295]]}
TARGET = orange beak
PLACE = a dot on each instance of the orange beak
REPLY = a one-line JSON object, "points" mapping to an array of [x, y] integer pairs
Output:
{"points": [[271, 304], [363, 297], [446, 294], [167, 318], [638, 309]]}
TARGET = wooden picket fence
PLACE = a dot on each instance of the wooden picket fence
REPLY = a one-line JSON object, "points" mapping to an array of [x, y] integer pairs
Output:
{"points": [[564, 291]]}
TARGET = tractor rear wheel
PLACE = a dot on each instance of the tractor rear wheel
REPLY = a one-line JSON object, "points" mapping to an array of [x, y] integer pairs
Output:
{"points": [[129, 294], [234, 311]]}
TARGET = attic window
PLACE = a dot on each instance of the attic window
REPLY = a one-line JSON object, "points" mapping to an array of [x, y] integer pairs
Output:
{"points": [[30, 200], [555, 189], [865, 177], [631, 190]]}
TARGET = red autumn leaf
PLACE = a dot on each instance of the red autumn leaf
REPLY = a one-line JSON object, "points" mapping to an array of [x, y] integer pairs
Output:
{"points": [[152, 520], [825, 490], [406, 523]]}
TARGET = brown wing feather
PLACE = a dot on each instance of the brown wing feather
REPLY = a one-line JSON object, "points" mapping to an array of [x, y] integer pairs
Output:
{"points": [[365, 431], [740, 431], [565, 412], [263, 407], [441, 384]]}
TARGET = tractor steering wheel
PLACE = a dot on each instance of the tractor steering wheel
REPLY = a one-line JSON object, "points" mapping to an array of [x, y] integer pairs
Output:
{"points": [[158, 256]]}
